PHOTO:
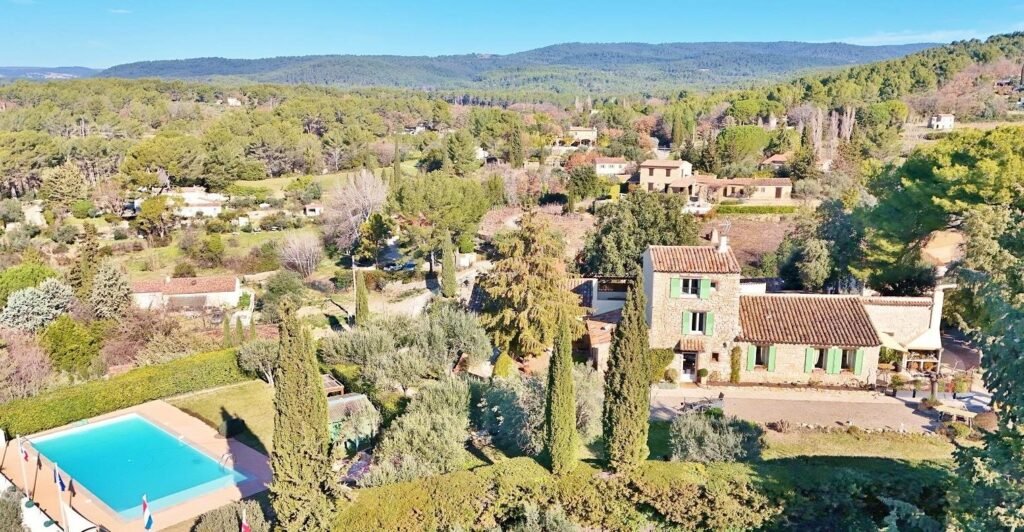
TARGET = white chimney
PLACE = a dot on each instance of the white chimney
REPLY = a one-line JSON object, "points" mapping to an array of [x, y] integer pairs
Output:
{"points": [[723, 244]]}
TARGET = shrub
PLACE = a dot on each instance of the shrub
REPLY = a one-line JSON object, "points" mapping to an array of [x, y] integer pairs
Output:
{"points": [[94, 398], [71, 345], [958, 430], [31, 309], [10, 510], [120, 234], [660, 359], [64, 234], [83, 208], [698, 437], [184, 269], [281, 286], [702, 374], [229, 518], [671, 375], [734, 365], [505, 366], [26, 367], [25, 275], [781, 426]]}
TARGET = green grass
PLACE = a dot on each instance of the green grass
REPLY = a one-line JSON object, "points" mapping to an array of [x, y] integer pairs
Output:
{"points": [[658, 440], [858, 444], [251, 402], [327, 181], [755, 209]]}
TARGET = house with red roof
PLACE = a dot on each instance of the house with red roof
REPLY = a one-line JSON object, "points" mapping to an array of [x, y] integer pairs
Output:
{"points": [[188, 293]]}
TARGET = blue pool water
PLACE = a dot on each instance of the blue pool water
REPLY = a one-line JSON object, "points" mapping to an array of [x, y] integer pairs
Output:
{"points": [[121, 459]]}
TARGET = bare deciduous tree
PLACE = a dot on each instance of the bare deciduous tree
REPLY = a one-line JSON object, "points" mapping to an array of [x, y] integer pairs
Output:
{"points": [[25, 368], [351, 203], [302, 254]]}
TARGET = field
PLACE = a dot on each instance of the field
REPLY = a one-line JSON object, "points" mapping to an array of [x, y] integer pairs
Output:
{"points": [[750, 236], [250, 403]]}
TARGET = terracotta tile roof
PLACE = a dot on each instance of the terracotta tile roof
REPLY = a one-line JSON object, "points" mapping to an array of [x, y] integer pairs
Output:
{"points": [[690, 343], [340, 407], [693, 259], [582, 287], [888, 301], [713, 181], [804, 319], [609, 160], [777, 158], [147, 287], [660, 163], [601, 326], [187, 285]]}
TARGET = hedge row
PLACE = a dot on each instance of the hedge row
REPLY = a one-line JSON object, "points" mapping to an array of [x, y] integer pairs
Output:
{"points": [[839, 494], [73, 403], [755, 209]]}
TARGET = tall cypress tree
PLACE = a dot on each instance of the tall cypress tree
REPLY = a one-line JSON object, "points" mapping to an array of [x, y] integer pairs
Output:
{"points": [[362, 300], [627, 386], [516, 153], [300, 460], [449, 285], [239, 332], [396, 169], [560, 415], [227, 341], [81, 274]]}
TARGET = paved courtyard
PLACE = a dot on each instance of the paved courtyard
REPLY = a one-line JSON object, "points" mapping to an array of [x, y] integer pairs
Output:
{"points": [[811, 407]]}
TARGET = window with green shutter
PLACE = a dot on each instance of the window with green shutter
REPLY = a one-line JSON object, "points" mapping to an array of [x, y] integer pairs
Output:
{"points": [[858, 363], [687, 318], [810, 359], [771, 358], [709, 324], [834, 360], [675, 288], [705, 288], [751, 357]]}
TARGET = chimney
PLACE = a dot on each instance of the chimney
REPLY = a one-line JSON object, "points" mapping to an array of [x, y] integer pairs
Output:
{"points": [[723, 244], [938, 297]]}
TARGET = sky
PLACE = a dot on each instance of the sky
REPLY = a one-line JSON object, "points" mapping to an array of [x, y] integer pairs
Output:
{"points": [[102, 33]]}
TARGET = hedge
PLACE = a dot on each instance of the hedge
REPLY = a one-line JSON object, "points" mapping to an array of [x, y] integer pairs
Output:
{"points": [[773, 495], [73, 403], [755, 209]]}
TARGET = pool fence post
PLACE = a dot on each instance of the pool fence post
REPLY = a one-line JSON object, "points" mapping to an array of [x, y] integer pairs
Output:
{"points": [[22, 458], [60, 496]]}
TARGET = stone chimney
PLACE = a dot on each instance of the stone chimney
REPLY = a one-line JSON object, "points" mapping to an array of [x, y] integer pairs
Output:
{"points": [[723, 244]]}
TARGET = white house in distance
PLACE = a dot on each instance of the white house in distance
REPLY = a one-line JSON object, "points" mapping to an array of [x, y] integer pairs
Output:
{"points": [[609, 166], [312, 209], [187, 293], [941, 121], [190, 202]]}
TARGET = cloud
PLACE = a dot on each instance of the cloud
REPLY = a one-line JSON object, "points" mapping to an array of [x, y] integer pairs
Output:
{"points": [[119, 11]]}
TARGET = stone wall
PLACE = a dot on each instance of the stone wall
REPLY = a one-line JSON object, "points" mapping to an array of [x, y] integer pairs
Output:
{"points": [[789, 368]]}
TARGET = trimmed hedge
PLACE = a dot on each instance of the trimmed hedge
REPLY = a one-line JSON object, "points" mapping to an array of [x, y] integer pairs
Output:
{"points": [[755, 209], [74, 403]]}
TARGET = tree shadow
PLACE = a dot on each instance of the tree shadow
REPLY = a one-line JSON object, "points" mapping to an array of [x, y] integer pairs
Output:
{"points": [[232, 426]]}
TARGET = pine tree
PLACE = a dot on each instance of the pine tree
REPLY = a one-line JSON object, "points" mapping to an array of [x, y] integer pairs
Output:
{"points": [[449, 284], [111, 294], [362, 300], [300, 460], [560, 415], [627, 387], [516, 154], [227, 340]]}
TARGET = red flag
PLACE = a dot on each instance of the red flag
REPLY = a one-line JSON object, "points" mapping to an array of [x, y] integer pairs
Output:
{"points": [[245, 523]]}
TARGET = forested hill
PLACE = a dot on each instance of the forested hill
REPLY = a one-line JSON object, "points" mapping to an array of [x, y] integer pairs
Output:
{"points": [[597, 68]]}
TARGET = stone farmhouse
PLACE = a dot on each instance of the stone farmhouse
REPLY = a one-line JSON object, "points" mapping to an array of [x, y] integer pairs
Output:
{"points": [[753, 190], [699, 307], [190, 202], [656, 175], [188, 293], [610, 166]]}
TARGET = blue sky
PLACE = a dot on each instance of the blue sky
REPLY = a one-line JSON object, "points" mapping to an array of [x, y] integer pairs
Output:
{"points": [[100, 33]]}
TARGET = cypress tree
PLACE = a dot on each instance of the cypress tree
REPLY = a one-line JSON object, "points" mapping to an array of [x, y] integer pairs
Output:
{"points": [[449, 285], [253, 334], [81, 274], [362, 300], [300, 459], [227, 341], [516, 155], [627, 386], [239, 331], [396, 169], [560, 415]]}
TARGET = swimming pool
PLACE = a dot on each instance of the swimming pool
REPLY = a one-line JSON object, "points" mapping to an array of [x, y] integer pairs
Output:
{"points": [[121, 459]]}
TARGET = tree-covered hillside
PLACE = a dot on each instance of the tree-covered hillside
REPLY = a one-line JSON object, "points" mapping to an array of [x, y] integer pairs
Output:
{"points": [[596, 68]]}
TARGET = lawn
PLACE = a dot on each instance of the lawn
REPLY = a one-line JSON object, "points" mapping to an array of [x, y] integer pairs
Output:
{"points": [[327, 181], [250, 403]]}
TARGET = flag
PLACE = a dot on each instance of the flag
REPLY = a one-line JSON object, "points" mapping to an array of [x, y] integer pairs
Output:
{"points": [[22, 450], [245, 523], [58, 481], [147, 516]]}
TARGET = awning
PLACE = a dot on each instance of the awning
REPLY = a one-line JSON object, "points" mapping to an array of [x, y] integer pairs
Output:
{"points": [[690, 343], [889, 341]]}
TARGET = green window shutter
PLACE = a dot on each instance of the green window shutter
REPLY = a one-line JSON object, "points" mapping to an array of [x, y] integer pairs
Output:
{"points": [[858, 361], [810, 357], [771, 358], [705, 288], [709, 324], [687, 319], [676, 288], [834, 355], [751, 357]]}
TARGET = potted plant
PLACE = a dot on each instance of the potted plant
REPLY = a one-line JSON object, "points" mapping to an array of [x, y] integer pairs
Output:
{"points": [[702, 375]]}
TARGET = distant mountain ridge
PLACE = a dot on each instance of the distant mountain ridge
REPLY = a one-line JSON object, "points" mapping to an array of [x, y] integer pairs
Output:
{"points": [[594, 67], [68, 72]]}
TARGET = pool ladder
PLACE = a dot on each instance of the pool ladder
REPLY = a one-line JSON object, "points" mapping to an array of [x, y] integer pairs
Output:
{"points": [[224, 459]]}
